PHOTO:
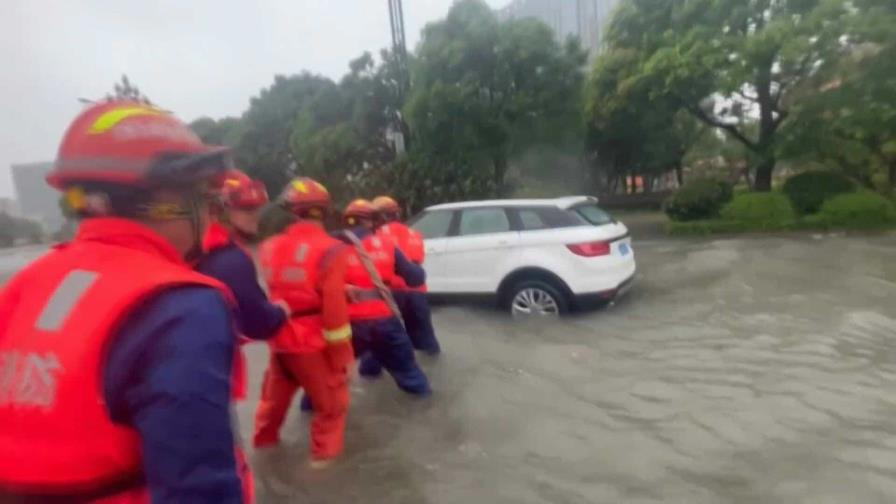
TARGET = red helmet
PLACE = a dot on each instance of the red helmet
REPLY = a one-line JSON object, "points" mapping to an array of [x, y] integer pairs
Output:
{"points": [[131, 143], [303, 193], [236, 190], [386, 204], [361, 209]]}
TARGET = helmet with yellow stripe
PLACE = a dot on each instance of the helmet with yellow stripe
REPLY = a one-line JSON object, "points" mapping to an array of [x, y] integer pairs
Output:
{"points": [[133, 144], [305, 197], [234, 189]]}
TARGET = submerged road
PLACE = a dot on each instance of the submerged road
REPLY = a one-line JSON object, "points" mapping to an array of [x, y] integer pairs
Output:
{"points": [[755, 370]]}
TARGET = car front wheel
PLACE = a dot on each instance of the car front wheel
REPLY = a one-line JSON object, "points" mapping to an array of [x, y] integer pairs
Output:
{"points": [[537, 298]]}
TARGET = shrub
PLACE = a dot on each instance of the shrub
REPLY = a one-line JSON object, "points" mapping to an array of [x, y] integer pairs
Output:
{"points": [[808, 191], [859, 210], [761, 209], [700, 199]]}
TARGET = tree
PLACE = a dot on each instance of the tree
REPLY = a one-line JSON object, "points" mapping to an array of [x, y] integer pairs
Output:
{"points": [[343, 136], [263, 149], [848, 119], [125, 90], [483, 91], [632, 128], [227, 131], [733, 63]]}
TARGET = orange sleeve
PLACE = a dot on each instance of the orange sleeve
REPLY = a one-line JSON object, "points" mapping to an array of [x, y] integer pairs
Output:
{"points": [[334, 310]]}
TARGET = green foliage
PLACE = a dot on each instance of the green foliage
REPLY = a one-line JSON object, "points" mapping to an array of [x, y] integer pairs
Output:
{"points": [[264, 146], [848, 118], [342, 136], [853, 211], [699, 199], [632, 128], [807, 191], [859, 210], [759, 209], [732, 64], [485, 91], [227, 131]]}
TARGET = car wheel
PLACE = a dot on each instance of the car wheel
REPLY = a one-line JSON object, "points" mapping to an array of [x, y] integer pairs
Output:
{"points": [[536, 298]]}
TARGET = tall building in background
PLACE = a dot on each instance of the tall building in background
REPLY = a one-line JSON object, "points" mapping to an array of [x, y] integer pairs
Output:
{"points": [[586, 19], [37, 200]]}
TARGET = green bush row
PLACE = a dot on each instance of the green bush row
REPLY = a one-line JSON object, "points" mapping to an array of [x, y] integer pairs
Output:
{"points": [[763, 212]]}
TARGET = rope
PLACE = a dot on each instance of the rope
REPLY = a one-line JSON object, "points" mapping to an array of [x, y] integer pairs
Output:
{"points": [[381, 287]]}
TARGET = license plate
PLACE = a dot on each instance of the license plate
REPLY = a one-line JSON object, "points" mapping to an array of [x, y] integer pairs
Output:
{"points": [[624, 249]]}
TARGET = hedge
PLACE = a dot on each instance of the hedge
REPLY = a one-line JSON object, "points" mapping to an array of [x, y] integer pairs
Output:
{"points": [[859, 210], [809, 190], [760, 209], [700, 199]]}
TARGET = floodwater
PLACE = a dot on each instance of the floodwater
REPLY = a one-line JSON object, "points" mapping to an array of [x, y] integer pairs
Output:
{"points": [[755, 370]]}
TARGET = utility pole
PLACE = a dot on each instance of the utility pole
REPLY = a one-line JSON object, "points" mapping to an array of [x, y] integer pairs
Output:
{"points": [[399, 134], [399, 44]]}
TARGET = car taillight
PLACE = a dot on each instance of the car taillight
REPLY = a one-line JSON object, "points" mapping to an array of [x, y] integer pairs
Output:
{"points": [[592, 249]]}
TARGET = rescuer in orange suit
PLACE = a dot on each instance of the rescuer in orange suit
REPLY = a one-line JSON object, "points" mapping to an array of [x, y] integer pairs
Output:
{"points": [[305, 268], [380, 340], [411, 300], [115, 356]]}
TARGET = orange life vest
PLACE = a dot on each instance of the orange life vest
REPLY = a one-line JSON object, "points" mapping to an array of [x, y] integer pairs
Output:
{"points": [[410, 242], [56, 436], [365, 302], [291, 265]]}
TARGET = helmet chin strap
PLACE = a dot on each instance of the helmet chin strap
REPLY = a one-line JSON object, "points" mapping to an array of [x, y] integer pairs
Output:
{"points": [[195, 252]]}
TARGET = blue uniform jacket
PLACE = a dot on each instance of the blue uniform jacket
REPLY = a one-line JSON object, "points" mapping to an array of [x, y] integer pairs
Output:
{"points": [[257, 317], [167, 375], [413, 274]]}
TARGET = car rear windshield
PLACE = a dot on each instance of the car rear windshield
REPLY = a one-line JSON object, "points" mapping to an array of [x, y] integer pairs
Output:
{"points": [[593, 214], [546, 217]]}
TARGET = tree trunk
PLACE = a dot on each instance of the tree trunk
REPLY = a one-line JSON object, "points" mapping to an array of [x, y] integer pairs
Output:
{"points": [[767, 127], [500, 169], [892, 175], [763, 180]]}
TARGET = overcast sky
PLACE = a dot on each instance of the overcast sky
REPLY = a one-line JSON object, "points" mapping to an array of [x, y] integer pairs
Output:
{"points": [[200, 57]]}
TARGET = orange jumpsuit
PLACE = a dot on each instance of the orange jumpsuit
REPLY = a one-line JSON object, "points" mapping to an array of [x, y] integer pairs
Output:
{"points": [[306, 268]]}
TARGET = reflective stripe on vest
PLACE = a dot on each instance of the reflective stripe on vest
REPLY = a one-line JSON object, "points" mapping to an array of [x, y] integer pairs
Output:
{"points": [[64, 298], [339, 334], [356, 295]]}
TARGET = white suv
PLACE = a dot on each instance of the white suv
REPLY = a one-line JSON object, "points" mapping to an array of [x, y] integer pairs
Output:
{"points": [[539, 256]]}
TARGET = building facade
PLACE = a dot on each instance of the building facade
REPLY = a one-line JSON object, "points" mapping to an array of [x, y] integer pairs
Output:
{"points": [[37, 201], [586, 19]]}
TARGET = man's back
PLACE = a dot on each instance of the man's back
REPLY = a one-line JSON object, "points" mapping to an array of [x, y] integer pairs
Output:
{"points": [[116, 319]]}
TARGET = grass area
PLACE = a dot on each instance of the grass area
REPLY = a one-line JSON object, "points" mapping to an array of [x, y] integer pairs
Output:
{"points": [[808, 223]]}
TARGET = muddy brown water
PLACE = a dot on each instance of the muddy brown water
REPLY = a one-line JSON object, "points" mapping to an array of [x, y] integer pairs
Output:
{"points": [[756, 370]]}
